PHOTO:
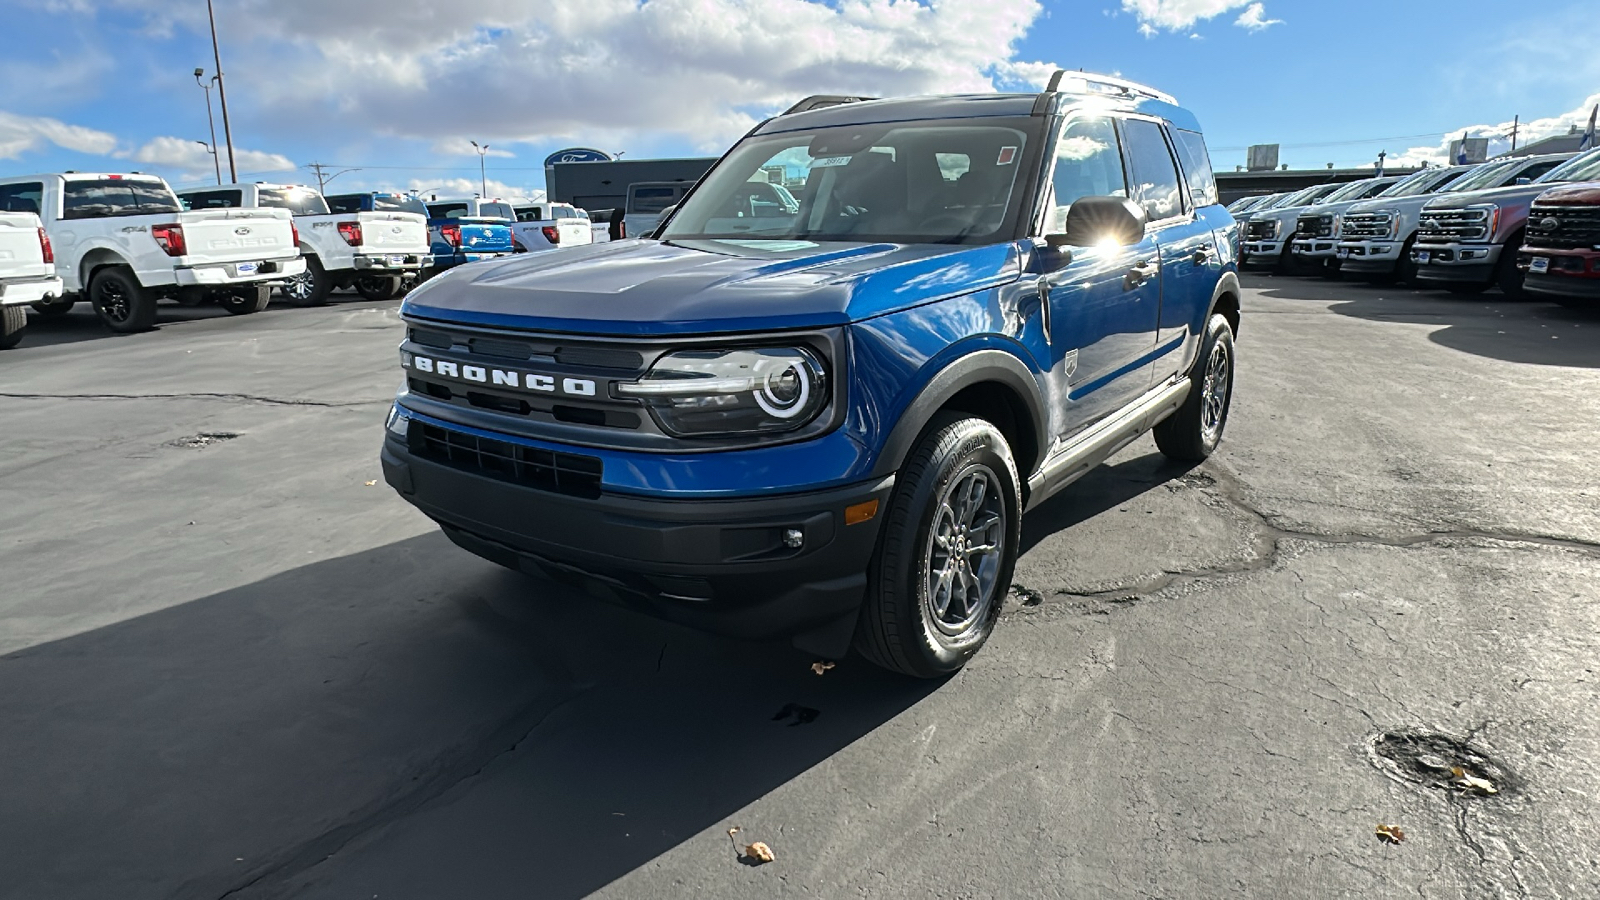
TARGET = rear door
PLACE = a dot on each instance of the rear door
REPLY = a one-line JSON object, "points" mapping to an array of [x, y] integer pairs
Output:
{"points": [[1105, 303], [1188, 251]]}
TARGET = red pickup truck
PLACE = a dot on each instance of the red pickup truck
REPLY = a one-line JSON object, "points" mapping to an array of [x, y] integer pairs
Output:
{"points": [[1560, 255]]}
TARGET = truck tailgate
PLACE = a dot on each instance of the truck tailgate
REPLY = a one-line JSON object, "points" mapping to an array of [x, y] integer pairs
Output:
{"points": [[20, 254], [394, 232], [485, 235], [236, 235], [575, 232]]}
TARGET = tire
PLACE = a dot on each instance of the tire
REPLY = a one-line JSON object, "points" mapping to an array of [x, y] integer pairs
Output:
{"points": [[309, 288], [55, 308], [1507, 276], [1405, 268], [242, 301], [121, 302], [935, 505], [1332, 270], [13, 322], [1192, 433], [1465, 287], [378, 287]]}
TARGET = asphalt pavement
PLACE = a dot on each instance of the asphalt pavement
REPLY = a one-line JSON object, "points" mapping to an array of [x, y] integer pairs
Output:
{"points": [[236, 665]]}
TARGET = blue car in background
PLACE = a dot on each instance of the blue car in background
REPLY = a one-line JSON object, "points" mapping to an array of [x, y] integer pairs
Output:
{"points": [[824, 421], [464, 231]]}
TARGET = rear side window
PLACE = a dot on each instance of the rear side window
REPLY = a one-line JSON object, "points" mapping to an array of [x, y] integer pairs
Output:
{"points": [[24, 197], [212, 199], [1197, 167], [1539, 168], [298, 201], [116, 197], [651, 199], [1088, 164], [1154, 173]]}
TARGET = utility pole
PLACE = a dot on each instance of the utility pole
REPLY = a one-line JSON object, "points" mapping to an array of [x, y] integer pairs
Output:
{"points": [[222, 94], [323, 179], [1516, 121], [482, 177], [215, 163]]}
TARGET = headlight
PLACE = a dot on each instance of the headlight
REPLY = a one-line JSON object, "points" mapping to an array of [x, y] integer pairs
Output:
{"points": [[1277, 228], [696, 393], [1491, 219]]}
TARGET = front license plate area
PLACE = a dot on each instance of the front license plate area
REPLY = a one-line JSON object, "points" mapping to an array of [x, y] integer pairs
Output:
{"points": [[1423, 256], [1540, 265]]}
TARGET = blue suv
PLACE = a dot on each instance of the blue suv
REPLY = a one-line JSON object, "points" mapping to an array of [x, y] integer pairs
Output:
{"points": [[826, 422]]}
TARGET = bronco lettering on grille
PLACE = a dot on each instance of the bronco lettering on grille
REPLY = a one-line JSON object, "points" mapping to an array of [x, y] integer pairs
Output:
{"points": [[578, 387]]}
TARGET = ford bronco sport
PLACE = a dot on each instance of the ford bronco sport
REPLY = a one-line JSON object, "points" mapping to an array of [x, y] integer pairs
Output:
{"points": [[827, 425]]}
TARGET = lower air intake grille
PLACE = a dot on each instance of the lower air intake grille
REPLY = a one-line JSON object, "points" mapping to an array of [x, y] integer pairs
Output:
{"points": [[545, 470]]}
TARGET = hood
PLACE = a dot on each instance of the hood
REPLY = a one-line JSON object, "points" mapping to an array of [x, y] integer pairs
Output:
{"points": [[643, 287], [1290, 213], [1583, 194], [1511, 194], [1332, 209]]}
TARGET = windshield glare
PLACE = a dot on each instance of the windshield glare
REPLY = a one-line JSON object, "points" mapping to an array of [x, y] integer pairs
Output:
{"points": [[1486, 177], [906, 182], [1350, 191], [1424, 182], [1580, 168], [298, 201]]}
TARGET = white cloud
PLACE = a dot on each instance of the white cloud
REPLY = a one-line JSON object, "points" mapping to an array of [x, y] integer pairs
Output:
{"points": [[1181, 15], [20, 134], [1254, 18], [1499, 135], [460, 146], [190, 161], [463, 187]]}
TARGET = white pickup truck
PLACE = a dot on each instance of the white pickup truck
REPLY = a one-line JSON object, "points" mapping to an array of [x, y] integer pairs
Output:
{"points": [[370, 251], [27, 272], [123, 242], [546, 226]]}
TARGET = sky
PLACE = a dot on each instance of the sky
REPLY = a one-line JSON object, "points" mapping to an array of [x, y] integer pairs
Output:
{"points": [[397, 89]]}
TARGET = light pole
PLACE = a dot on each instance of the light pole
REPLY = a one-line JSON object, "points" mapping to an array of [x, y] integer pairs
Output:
{"points": [[222, 95], [212, 149], [199, 76], [482, 176]]}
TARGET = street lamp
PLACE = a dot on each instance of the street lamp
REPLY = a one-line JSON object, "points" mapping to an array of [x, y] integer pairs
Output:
{"points": [[199, 75], [212, 149], [482, 176], [222, 95]]}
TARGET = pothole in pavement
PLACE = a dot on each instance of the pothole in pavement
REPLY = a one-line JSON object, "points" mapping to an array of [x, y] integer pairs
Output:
{"points": [[1437, 760], [203, 439]]}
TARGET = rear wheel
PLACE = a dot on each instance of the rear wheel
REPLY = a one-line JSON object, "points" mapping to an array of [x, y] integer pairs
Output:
{"points": [[54, 308], [309, 288], [944, 561], [121, 302], [1192, 433], [13, 322], [377, 287], [242, 301]]}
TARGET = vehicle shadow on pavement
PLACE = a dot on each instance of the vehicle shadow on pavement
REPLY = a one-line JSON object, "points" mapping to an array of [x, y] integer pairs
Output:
{"points": [[1106, 487], [81, 324], [408, 721]]}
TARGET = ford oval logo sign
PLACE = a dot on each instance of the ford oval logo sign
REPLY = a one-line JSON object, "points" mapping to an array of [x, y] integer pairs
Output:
{"points": [[395, 229], [1549, 223], [577, 154], [241, 231]]}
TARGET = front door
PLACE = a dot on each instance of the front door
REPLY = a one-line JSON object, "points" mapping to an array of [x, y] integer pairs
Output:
{"points": [[1105, 305]]}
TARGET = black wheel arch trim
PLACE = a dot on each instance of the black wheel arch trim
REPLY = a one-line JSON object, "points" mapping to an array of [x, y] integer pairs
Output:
{"points": [[978, 367]]}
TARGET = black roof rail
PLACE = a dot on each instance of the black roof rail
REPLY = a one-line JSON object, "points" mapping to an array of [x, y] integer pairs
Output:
{"points": [[822, 101]]}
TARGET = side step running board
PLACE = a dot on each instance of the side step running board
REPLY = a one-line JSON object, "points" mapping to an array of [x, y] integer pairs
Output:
{"points": [[1100, 442]]}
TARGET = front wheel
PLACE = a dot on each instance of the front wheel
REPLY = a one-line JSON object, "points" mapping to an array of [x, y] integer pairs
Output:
{"points": [[1508, 275], [378, 287], [944, 561], [13, 322], [1192, 433], [242, 301]]}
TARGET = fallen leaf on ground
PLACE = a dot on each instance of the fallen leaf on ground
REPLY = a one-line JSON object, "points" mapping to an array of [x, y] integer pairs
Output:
{"points": [[759, 852], [1392, 834], [372, 482], [821, 665]]}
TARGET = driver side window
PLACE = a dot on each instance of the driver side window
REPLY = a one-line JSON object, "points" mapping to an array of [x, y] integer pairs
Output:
{"points": [[1088, 164]]}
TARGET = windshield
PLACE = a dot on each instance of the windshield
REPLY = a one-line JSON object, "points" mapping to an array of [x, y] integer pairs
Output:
{"points": [[1426, 182], [298, 201], [1352, 191], [1319, 194], [906, 182], [116, 197], [1579, 168], [1487, 176]]}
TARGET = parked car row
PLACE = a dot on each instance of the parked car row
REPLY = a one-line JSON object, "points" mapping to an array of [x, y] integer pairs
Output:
{"points": [[125, 242], [1527, 225]]}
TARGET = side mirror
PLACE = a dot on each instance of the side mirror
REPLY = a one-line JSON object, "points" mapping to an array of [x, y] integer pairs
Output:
{"points": [[1524, 180], [1094, 220]]}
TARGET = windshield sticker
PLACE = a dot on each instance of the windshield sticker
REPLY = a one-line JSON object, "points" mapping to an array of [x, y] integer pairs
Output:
{"points": [[827, 161], [1007, 156]]}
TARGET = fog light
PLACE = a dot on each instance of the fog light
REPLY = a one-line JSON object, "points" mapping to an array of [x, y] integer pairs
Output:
{"points": [[793, 538]]}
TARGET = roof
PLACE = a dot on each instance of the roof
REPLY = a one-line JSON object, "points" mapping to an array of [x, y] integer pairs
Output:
{"points": [[971, 106], [83, 176]]}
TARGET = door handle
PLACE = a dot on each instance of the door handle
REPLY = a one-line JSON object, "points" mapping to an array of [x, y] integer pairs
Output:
{"points": [[1202, 254], [1139, 274]]}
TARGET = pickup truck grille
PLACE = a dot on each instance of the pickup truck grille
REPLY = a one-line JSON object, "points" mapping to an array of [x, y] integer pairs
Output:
{"points": [[1563, 227], [562, 473], [1320, 226], [1440, 225], [1259, 230], [1366, 225]]}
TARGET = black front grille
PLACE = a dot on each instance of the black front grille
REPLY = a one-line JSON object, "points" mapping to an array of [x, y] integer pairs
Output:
{"points": [[1314, 227], [1563, 227], [1260, 231], [546, 470]]}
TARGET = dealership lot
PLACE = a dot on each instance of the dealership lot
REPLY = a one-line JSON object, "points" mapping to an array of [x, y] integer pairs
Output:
{"points": [[236, 664]]}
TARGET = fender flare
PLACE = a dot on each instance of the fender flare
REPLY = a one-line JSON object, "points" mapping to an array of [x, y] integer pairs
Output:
{"points": [[977, 367]]}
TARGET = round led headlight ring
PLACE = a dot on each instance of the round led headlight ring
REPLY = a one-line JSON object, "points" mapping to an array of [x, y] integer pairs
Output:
{"points": [[784, 394]]}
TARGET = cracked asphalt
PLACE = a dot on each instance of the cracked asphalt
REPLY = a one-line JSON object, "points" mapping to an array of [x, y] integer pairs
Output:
{"points": [[233, 668]]}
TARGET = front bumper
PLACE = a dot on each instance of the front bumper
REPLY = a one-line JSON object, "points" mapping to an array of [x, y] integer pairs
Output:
{"points": [[1585, 288], [717, 565], [394, 262], [1315, 248], [227, 274], [1456, 261], [20, 291], [1269, 250], [1369, 256]]}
